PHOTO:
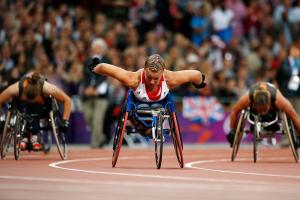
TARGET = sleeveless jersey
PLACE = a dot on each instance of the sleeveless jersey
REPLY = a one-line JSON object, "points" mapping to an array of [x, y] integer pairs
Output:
{"points": [[142, 95]]}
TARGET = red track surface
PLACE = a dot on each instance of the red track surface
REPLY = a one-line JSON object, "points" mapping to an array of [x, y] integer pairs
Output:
{"points": [[208, 174]]}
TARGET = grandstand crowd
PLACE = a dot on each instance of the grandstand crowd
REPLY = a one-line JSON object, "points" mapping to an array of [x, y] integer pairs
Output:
{"points": [[235, 43]]}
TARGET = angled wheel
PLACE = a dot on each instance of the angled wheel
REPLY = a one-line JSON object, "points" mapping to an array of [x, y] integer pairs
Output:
{"points": [[255, 139], [17, 136], [238, 134], [159, 141], [59, 137], [119, 135], [290, 131], [176, 138], [7, 135]]}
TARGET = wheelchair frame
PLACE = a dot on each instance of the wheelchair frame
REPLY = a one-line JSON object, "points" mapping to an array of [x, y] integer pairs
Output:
{"points": [[155, 123], [286, 127], [16, 127]]}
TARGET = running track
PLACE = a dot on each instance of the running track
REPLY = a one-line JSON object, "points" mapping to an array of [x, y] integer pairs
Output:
{"points": [[208, 174]]}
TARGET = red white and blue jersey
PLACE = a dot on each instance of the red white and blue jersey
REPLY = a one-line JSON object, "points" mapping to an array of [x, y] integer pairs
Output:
{"points": [[143, 95]]}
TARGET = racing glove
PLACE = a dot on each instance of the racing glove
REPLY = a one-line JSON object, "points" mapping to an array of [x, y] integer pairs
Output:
{"points": [[230, 137], [94, 63], [200, 85], [64, 125]]}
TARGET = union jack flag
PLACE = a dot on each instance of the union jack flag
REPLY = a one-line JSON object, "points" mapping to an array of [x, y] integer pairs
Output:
{"points": [[202, 109]]}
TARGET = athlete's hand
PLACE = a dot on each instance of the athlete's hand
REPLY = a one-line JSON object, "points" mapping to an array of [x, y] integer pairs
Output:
{"points": [[230, 137], [94, 63], [64, 125], [202, 84]]}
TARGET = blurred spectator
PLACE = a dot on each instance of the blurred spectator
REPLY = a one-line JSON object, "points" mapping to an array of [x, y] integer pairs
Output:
{"points": [[53, 37], [200, 26], [288, 77], [95, 91], [222, 18]]}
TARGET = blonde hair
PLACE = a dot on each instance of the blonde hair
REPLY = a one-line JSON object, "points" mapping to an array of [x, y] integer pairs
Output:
{"points": [[261, 97], [155, 63]]}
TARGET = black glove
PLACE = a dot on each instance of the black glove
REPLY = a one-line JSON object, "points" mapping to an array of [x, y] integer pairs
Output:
{"points": [[94, 63], [230, 137], [64, 125], [202, 84]]}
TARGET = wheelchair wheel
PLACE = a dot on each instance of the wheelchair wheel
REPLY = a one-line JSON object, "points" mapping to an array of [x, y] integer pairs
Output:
{"points": [[17, 137], [159, 141], [58, 136], [255, 140], [46, 141], [176, 138], [7, 135], [290, 131], [119, 135], [238, 134]]}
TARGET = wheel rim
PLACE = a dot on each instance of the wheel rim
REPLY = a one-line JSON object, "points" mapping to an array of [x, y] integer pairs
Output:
{"points": [[159, 143], [59, 138], [119, 138]]}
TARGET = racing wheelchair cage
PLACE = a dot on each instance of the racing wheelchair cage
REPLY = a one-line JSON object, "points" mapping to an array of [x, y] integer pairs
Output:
{"points": [[260, 129], [149, 119], [19, 123]]}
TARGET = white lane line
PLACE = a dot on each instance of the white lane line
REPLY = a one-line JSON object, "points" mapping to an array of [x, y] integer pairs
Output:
{"points": [[190, 165], [213, 180], [217, 185]]}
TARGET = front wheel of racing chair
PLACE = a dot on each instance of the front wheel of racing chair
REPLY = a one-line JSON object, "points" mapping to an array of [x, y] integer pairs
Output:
{"points": [[256, 136], [60, 140], [159, 139], [176, 138], [239, 134], [288, 129], [119, 134], [7, 135]]}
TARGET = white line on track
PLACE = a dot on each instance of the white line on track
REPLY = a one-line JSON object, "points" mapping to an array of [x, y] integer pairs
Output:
{"points": [[188, 165]]}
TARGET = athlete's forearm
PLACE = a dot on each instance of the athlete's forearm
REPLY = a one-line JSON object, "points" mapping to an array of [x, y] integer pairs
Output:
{"points": [[127, 78]]}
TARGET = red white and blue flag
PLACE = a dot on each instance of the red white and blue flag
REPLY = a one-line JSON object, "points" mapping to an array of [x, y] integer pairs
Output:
{"points": [[202, 109]]}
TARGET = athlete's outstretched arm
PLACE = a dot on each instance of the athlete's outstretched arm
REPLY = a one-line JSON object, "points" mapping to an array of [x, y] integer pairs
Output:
{"points": [[177, 78], [127, 78], [60, 96], [283, 104], [9, 92], [242, 103]]}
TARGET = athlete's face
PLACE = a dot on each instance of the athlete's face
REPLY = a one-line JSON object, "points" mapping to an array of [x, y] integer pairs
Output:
{"points": [[152, 78]]}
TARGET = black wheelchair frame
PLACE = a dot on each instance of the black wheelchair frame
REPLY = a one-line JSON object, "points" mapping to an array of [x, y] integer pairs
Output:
{"points": [[286, 127], [17, 126], [153, 119]]}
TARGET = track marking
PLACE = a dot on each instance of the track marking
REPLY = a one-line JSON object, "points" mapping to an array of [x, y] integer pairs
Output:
{"points": [[190, 165], [217, 185], [57, 165]]}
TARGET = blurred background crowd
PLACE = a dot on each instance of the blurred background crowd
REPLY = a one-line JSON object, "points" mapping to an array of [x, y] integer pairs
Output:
{"points": [[235, 43]]}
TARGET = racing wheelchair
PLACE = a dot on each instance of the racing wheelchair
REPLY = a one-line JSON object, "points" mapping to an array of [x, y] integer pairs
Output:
{"points": [[20, 123], [149, 122], [260, 128]]}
